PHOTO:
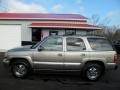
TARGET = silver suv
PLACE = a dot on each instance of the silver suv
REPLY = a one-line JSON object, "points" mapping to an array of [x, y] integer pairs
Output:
{"points": [[91, 55]]}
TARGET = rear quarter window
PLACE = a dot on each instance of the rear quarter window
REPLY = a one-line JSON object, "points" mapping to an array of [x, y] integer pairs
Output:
{"points": [[100, 44]]}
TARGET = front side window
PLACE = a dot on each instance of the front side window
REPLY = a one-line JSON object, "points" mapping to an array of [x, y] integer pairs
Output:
{"points": [[100, 44], [52, 44], [75, 44]]}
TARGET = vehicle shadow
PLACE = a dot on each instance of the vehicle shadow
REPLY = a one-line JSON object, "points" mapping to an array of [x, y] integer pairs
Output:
{"points": [[65, 79]]}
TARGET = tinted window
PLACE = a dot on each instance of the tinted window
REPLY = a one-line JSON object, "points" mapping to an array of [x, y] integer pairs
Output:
{"points": [[52, 44], [100, 44], [75, 44]]}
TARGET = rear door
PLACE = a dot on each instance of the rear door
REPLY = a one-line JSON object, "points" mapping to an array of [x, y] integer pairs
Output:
{"points": [[75, 53]]}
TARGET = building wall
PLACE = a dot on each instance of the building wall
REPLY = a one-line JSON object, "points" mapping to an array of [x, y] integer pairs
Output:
{"points": [[26, 31], [10, 36]]}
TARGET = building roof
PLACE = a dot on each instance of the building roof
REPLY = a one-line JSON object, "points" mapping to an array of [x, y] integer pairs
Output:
{"points": [[64, 25], [51, 17], [41, 16]]}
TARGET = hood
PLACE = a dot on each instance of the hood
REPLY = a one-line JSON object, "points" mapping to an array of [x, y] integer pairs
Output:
{"points": [[23, 48]]}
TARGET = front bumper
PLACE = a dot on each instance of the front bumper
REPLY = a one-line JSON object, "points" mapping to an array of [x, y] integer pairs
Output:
{"points": [[6, 62], [111, 66]]}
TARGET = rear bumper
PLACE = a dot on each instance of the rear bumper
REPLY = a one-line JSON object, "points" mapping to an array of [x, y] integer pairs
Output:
{"points": [[116, 67], [111, 66]]}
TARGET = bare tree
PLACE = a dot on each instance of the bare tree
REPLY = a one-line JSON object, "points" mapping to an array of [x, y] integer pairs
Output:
{"points": [[95, 19], [117, 34], [111, 32]]}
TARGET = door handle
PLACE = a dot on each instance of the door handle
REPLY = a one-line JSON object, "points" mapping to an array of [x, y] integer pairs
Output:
{"points": [[60, 54], [82, 55]]}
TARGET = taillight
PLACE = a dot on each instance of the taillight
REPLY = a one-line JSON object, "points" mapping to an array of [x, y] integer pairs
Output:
{"points": [[115, 58]]}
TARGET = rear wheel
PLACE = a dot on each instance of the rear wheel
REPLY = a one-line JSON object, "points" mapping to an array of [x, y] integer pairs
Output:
{"points": [[20, 69], [92, 71]]}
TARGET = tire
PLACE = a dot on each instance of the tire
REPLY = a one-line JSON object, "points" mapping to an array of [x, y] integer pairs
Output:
{"points": [[20, 69], [92, 71]]}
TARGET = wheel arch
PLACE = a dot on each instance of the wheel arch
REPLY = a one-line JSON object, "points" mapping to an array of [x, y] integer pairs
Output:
{"points": [[21, 59], [96, 62], [90, 63]]}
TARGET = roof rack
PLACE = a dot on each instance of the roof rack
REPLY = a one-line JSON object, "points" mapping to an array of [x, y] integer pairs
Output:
{"points": [[82, 35]]}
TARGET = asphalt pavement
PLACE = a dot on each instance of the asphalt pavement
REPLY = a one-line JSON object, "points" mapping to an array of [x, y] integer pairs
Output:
{"points": [[37, 81]]}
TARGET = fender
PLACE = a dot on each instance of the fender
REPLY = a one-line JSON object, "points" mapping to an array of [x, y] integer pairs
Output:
{"points": [[28, 58], [86, 60]]}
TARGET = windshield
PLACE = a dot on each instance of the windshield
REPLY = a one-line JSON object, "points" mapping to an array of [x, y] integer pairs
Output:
{"points": [[100, 44], [37, 44], [34, 46]]}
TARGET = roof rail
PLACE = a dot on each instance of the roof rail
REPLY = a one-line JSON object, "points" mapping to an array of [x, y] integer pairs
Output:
{"points": [[83, 35]]}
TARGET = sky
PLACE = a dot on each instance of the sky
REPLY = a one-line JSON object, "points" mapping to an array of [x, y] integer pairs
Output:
{"points": [[107, 10]]}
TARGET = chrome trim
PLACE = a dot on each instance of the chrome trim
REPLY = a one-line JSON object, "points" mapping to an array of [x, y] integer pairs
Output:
{"points": [[111, 63], [72, 63], [57, 63]]}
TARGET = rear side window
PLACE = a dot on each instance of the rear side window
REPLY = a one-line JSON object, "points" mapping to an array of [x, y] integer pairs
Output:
{"points": [[100, 44], [75, 44]]}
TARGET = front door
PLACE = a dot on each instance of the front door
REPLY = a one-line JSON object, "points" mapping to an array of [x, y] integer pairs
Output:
{"points": [[75, 53], [50, 54]]}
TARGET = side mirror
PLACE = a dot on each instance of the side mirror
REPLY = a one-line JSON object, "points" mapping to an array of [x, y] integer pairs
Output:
{"points": [[40, 48]]}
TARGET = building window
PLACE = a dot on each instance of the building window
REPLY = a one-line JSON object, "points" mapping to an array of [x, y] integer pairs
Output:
{"points": [[53, 33], [70, 32]]}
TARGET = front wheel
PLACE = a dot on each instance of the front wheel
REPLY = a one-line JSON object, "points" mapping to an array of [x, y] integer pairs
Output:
{"points": [[20, 69], [92, 71]]}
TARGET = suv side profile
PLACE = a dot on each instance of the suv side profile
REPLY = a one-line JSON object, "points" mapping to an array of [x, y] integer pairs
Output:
{"points": [[91, 55]]}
